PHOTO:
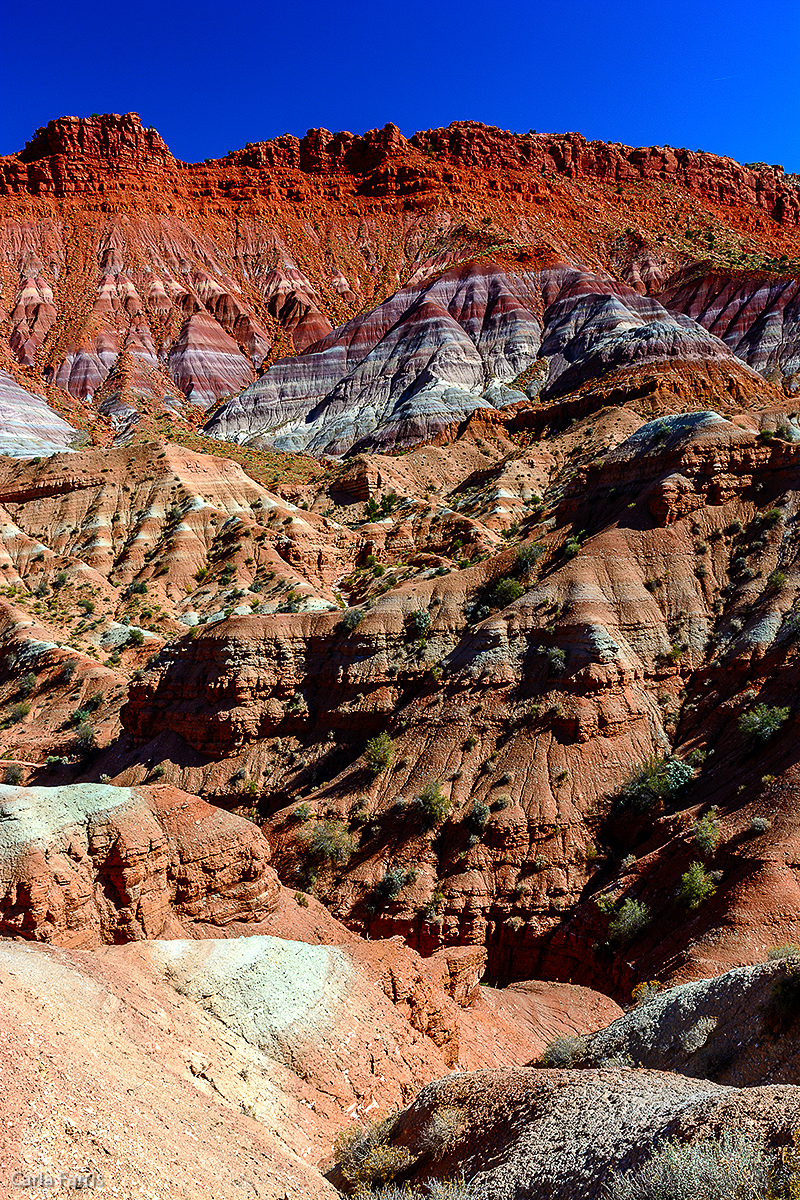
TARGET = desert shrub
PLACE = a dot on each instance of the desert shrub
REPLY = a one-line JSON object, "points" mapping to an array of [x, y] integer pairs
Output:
{"points": [[85, 736], [135, 638], [776, 580], [378, 753], [418, 622], [571, 547], [761, 722], [441, 1132], [158, 771], [648, 990], [779, 953], [707, 834], [302, 899], [527, 559], [431, 908], [364, 1157], [59, 579], [760, 825], [351, 617], [732, 1166], [696, 886], [86, 605], [630, 920], [433, 803], [506, 591], [138, 588], [19, 712], [656, 780], [556, 660], [12, 774], [27, 684], [477, 818], [302, 812], [389, 887], [329, 841], [431, 1189], [564, 1050]]}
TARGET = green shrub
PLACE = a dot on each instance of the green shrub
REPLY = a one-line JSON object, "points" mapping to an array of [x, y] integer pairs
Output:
{"points": [[433, 803], [564, 1050], [158, 771], [761, 722], [707, 834], [696, 886], [419, 622], [528, 558], [776, 580], [656, 780], [477, 818], [303, 812], [135, 638], [87, 605], [59, 579], [351, 617], [760, 825], [630, 920], [506, 591], [379, 753], [85, 736], [556, 660], [731, 1166], [389, 887], [572, 545], [302, 899], [19, 712], [13, 774], [329, 841], [27, 684]]}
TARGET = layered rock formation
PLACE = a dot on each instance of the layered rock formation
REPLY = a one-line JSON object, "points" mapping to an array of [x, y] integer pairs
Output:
{"points": [[90, 863], [29, 425], [141, 286]]}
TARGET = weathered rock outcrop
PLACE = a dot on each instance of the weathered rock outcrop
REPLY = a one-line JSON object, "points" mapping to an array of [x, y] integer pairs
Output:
{"points": [[554, 1135], [90, 863], [735, 1028]]}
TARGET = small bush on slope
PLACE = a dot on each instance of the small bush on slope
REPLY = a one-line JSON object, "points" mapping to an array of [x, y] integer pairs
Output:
{"points": [[653, 782], [760, 723], [364, 1157], [432, 1189], [733, 1166]]}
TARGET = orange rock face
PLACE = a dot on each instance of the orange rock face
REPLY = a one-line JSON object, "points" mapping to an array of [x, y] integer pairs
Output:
{"points": [[85, 864]]}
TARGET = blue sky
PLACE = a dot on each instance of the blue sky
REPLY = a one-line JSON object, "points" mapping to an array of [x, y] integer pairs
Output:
{"points": [[714, 76]]}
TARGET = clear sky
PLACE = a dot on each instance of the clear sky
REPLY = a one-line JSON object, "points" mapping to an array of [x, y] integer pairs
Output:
{"points": [[710, 75]]}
